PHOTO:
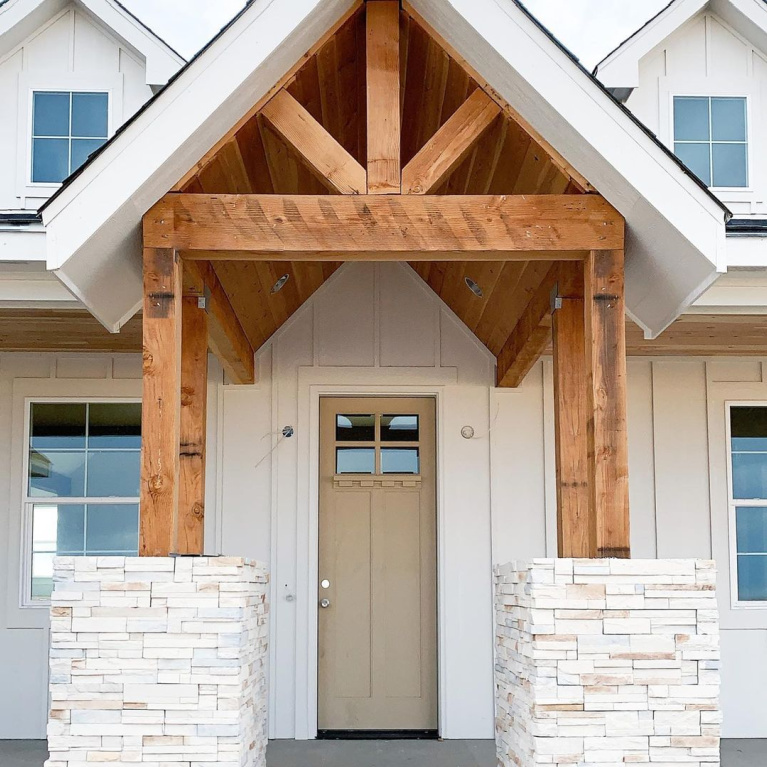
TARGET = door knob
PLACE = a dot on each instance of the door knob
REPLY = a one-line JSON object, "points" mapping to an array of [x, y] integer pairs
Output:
{"points": [[324, 603]]}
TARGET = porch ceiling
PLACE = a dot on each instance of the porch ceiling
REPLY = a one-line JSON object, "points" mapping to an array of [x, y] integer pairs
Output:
{"points": [[502, 157]]}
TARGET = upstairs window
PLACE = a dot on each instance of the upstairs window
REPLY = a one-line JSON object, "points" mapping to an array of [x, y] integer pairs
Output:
{"points": [[82, 484], [67, 127], [711, 138]]}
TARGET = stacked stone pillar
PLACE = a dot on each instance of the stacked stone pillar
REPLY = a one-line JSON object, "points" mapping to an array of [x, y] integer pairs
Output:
{"points": [[158, 662], [607, 662]]}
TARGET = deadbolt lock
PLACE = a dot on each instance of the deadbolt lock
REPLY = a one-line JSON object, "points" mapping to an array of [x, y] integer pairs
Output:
{"points": [[325, 603]]}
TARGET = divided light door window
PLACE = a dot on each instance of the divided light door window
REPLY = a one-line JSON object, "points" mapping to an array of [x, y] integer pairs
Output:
{"points": [[711, 138], [81, 484], [67, 127], [748, 501]]}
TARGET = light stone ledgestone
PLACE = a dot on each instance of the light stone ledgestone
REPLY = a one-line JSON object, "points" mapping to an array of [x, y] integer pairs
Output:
{"points": [[601, 663], [162, 662]]}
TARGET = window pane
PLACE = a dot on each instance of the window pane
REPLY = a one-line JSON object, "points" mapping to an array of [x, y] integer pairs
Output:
{"points": [[751, 524], [355, 460], [399, 460], [112, 529], [82, 149], [691, 121], [730, 165], [42, 575], [728, 119], [89, 114], [749, 475], [58, 528], [53, 473], [399, 428], [748, 427], [114, 425], [50, 160], [51, 114], [113, 474], [696, 158], [752, 578], [355, 428], [59, 425]]}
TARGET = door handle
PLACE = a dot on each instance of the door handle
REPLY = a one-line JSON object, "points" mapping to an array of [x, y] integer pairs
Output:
{"points": [[324, 603]]}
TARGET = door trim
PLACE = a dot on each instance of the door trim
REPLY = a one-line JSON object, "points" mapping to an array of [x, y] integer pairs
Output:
{"points": [[314, 384]]}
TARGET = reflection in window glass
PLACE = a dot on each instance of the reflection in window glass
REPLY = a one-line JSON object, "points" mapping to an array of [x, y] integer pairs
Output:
{"points": [[399, 428], [403, 460], [355, 460], [355, 428]]}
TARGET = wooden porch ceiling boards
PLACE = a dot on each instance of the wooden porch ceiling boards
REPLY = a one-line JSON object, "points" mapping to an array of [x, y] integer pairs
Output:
{"points": [[480, 145]]}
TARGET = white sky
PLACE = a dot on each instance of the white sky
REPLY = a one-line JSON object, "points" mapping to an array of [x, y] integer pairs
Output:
{"points": [[590, 28]]}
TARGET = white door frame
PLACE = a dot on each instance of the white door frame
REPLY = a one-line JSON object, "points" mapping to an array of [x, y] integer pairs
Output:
{"points": [[313, 384]]}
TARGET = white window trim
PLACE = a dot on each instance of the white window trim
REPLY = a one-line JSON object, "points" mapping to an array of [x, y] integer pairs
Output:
{"points": [[111, 84], [732, 505], [28, 502], [747, 88], [38, 390]]}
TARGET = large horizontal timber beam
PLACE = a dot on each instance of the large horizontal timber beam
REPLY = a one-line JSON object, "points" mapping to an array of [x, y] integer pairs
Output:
{"points": [[382, 227]]}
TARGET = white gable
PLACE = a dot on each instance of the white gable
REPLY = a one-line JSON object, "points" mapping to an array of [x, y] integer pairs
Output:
{"points": [[676, 229]]}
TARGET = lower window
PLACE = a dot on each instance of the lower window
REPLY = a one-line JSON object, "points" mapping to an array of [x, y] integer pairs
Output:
{"points": [[81, 484]]}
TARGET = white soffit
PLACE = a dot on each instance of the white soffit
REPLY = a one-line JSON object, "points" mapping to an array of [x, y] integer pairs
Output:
{"points": [[19, 19], [620, 69], [676, 233]]}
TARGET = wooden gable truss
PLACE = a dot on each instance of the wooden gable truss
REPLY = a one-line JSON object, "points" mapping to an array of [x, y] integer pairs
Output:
{"points": [[382, 145]]}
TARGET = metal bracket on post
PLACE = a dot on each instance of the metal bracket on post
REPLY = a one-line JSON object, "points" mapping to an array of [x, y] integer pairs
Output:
{"points": [[556, 299], [203, 301]]}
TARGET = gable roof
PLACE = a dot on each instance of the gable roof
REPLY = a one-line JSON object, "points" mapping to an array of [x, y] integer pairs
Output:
{"points": [[675, 240], [620, 68], [21, 18]]}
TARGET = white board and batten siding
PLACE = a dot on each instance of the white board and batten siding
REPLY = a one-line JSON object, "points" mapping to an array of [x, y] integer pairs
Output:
{"points": [[72, 51], [707, 57]]}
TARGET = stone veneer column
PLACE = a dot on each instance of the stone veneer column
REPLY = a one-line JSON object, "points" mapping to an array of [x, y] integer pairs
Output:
{"points": [[607, 662], [158, 662]]}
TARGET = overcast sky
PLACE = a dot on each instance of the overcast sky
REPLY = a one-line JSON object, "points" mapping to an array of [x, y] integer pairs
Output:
{"points": [[590, 28]]}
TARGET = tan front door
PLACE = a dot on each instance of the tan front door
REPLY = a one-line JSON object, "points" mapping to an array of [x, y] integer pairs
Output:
{"points": [[378, 565]]}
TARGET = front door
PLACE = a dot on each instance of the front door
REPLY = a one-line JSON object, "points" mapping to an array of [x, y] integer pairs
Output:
{"points": [[378, 566]]}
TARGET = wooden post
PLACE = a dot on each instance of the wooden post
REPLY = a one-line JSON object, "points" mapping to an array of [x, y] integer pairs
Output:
{"points": [[606, 375], [194, 390], [383, 98], [576, 528], [161, 402]]}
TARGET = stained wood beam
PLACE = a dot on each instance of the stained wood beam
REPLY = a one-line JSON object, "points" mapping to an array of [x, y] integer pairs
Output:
{"points": [[315, 147], [160, 428], [605, 336], [530, 337], [576, 527], [226, 338], [384, 123], [450, 146], [407, 228], [190, 537]]}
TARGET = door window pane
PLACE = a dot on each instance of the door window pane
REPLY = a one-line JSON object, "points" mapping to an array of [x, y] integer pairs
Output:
{"points": [[399, 428], [355, 460], [355, 428], [691, 119], [399, 460]]}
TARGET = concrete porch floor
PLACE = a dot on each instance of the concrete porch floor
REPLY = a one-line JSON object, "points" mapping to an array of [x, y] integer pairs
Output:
{"points": [[456, 753]]}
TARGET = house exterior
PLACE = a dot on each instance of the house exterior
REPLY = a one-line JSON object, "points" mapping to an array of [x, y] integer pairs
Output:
{"points": [[377, 360]]}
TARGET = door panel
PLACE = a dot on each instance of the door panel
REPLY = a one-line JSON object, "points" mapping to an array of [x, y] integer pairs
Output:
{"points": [[377, 636]]}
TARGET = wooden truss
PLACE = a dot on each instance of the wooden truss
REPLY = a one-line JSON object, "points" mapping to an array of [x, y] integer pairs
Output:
{"points": [[429, 167]]}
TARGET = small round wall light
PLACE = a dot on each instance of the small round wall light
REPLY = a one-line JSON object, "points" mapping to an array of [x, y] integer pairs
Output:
{"points": [[473, 287], [280, 284]]}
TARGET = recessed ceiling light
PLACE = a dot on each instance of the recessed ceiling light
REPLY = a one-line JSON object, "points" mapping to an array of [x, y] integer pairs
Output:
{"points": [[280, 284], [473, 287]]}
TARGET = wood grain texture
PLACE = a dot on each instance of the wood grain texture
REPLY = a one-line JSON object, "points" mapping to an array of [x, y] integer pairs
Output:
{"points": [[605, 323], [401, 228], [190, 537], [449, 147], [225, 335], [320, 153], [160, 415], [383, 98]]}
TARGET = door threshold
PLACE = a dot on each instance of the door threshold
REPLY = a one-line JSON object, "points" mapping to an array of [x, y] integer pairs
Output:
{"points": [[377, 735]]}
